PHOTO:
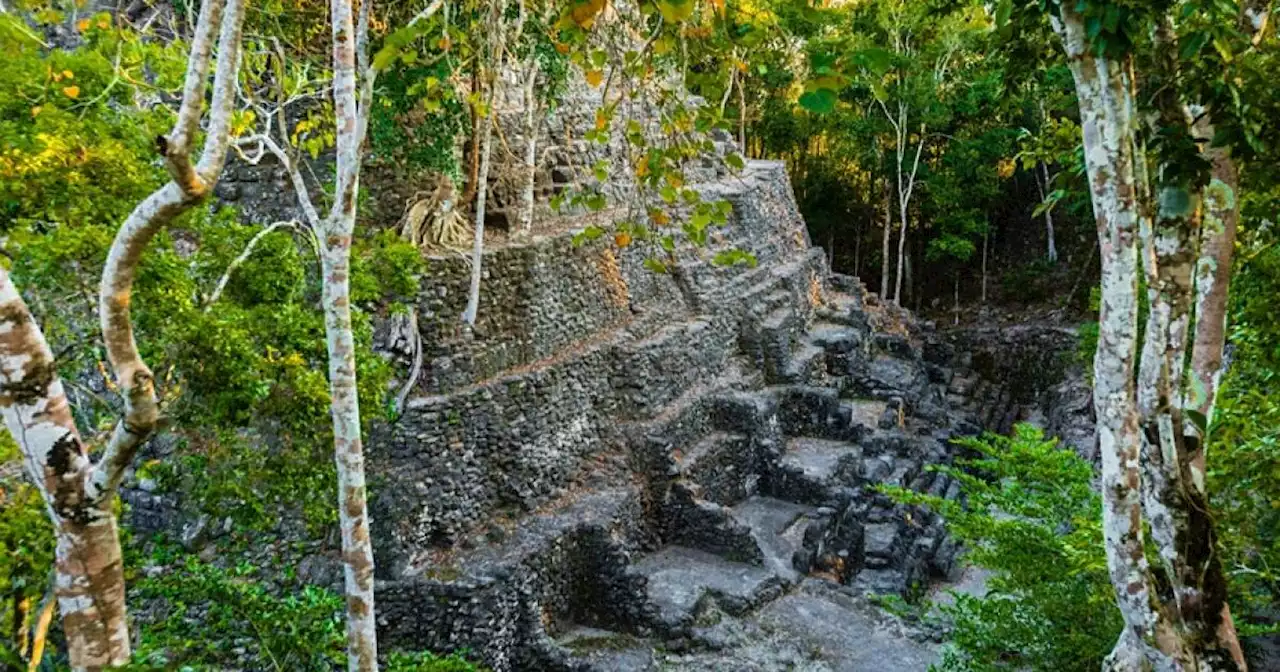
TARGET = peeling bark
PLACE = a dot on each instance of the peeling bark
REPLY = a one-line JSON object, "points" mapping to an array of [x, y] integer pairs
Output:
{"points": [[1106, 120], [88, 574], [1176, 616], [351, 112]]}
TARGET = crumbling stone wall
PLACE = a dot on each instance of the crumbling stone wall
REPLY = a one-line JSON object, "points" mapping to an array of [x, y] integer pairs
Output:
{"points": [[570, 342], [614, 450]]}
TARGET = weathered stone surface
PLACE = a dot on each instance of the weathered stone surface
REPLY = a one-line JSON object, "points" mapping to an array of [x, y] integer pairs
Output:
{"points": [[850, 634], [643, 476], [680, 578], [779, 528]]}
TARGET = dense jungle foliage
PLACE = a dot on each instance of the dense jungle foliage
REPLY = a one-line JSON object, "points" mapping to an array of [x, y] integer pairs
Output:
{"points": [[930, 145]]}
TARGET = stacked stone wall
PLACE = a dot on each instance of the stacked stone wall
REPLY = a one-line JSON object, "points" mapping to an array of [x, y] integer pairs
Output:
{"points": [[530, 404]]}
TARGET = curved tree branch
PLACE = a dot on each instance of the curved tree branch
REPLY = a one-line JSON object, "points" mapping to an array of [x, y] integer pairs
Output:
{"points": [[137, 386]]}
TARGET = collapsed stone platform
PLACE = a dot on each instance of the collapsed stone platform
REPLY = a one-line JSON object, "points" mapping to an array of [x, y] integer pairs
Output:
{"points": [[621, 470]]}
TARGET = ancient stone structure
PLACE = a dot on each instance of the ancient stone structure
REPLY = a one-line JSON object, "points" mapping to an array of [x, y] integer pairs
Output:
{"points": [[619, 468], [1030, 371]]}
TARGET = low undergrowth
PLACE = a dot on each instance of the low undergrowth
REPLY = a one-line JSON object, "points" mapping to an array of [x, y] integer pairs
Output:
{"points": [[1031, 517]]}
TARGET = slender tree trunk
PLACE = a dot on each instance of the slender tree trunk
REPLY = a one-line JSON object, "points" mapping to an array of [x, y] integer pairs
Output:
{"points": [[1213, 278], [742, 115], [886, 263], [336, 232], [985, 236], [357, 551], [955, 306], [902, 247], [477, 249], [1048, 212], [530, 145], [473, 155]]}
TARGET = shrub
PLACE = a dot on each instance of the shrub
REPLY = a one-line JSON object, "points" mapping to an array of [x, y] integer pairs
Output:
{"points": [[1030, 516]]}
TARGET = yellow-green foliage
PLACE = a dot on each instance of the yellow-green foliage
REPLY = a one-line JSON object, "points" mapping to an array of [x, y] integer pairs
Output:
{"points": [[244, 378]]}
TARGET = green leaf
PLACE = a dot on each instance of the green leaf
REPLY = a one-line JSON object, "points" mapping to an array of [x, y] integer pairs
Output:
{"points": [[655, 266], [735, 161], [587, 234], [1004, 11], [878, 90], [676, 11], [820, 101], [595, 202], [385, 57], [1197, 418], [875, 60], [734, 257]]}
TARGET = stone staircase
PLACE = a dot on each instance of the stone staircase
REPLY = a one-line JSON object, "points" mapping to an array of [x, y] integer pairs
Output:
{"points": [[748, 506], [695, 491]]}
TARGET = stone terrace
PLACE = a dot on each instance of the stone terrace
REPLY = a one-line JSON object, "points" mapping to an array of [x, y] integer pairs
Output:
{"points": [[619, 470]]}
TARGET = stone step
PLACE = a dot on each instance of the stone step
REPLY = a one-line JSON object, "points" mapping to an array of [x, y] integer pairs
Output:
{"points": [[809, 410], [503, 547], [681, 579], [722, 465], [778, 527], [607, 651], [808, 364], [778, 319], [847, 632], [813, 471], [868, 413], [834, 337], [843, 309]]}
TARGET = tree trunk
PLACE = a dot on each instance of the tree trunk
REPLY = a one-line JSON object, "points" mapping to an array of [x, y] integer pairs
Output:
{"points": [[344, 404], [1213, 278], [955, 306], [742, 116], [885, 263], [902, 246], [530, 146], [348, 451], [1106, 120], [473, 154], [79, 495], [89, 572], [1048, 213], [477, 249], [985, 236]]}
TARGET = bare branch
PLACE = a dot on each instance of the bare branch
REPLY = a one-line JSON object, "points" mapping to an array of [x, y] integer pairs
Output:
{"points": [[142, 411], [224, 91], [176, 148], [244, 256]]}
